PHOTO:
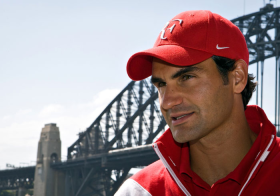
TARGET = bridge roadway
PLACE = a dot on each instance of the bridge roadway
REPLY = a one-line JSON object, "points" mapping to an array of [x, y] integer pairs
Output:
{"points": [[12, 179], [114, 159]]}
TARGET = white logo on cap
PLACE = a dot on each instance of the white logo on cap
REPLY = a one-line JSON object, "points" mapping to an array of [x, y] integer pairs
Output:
{"points": [[170, 29], [220, 48]]}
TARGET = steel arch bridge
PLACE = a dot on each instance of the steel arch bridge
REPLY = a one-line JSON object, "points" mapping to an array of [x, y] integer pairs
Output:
{"points": [[120, 137], [133, 118]]}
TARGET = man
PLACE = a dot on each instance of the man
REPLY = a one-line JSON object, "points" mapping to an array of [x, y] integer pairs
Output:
{"points": [[215, 144]]}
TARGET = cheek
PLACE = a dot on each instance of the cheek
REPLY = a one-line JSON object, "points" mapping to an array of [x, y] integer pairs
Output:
{"points": [[160, 102], [198, 92], [216, 102], [160, 98], [206, 92]]}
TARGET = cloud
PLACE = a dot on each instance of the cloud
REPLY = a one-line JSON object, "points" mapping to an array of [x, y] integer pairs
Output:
{"points": [[23, 112], [7, 117], [105, 96], [51, 109]]}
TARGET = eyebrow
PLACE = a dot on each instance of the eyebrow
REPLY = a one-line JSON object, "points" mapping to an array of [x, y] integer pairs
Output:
{"points": [[185, 70], [155, 80], [177, 74]]}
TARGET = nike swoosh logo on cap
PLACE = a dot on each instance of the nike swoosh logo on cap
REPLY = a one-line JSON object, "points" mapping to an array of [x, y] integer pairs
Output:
{"points": [[220, 48]]}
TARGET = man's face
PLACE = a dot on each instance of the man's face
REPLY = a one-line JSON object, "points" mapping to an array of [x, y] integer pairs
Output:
{"points": [[193, 100]]}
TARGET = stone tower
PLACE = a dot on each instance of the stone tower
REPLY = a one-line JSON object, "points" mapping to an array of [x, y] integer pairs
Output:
{"points": [[48, 182]]}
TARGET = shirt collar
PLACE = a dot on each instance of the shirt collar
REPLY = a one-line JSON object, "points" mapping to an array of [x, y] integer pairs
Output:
{"points": [[185, 168], [245, 166]]}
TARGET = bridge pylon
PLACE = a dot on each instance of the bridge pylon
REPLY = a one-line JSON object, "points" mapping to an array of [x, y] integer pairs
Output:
{"points": [[48, 182]]}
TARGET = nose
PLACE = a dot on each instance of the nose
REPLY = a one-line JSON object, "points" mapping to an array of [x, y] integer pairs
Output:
{"points": [[169, 98]]}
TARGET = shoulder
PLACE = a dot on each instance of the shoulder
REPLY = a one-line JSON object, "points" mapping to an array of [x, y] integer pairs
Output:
{"points": [[131, 187], [274, 156], [267, 178], [269, 170], [145, 182], [152, 173]]}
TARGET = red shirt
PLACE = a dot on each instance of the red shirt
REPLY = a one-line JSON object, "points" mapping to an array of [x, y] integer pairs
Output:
{"points": [[234, 180]]}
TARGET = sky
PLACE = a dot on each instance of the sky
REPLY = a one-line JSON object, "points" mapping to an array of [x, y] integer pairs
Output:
{"points": [[63, 61]]}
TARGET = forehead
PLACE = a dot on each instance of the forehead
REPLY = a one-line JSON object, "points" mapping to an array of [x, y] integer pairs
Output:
{"points": [[162, 67], [159, 66]]}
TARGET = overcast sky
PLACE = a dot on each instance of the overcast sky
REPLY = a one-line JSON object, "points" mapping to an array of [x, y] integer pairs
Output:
{"points": [[63, 61]]}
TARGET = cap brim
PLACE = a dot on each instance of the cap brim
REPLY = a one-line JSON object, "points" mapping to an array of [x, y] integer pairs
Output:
{"points": [[139, 65]]}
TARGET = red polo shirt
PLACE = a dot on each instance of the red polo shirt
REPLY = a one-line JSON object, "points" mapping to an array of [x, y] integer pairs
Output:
{"points": [[232, 181]]}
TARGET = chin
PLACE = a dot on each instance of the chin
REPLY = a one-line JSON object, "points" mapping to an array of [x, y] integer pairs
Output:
{"points": [[179, 138], [186, 135]]}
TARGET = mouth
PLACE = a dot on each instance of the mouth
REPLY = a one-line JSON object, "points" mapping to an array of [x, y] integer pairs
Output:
{"points": [[176, 120]]}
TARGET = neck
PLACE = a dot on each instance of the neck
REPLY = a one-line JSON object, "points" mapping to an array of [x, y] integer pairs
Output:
{"points": [[214, 156]]}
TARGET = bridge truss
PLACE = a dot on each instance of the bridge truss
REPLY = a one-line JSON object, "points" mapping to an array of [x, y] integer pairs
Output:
{"points": [[132, 119]]}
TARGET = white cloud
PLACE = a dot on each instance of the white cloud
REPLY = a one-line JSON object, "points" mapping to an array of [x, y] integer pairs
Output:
{"points": [[7, 117], [51, 109], [23, 112], [105, 96]]}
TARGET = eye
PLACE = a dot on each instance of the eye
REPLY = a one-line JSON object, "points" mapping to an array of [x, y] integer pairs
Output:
{"points": [[186, 77], [161, 84]]}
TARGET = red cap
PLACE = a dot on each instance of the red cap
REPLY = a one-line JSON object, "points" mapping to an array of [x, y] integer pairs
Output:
{"points": [[190, 38]]}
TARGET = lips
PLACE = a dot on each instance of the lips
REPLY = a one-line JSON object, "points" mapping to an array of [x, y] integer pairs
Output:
{"points": [[180, 118], [177, 118]]}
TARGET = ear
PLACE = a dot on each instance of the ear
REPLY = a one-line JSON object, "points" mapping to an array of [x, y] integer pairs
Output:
{"points": [[240, 76]]}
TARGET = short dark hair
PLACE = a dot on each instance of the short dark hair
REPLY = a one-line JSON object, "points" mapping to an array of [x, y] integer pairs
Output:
{"points": [[226, 65]]}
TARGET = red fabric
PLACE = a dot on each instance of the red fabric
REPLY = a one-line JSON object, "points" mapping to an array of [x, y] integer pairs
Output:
{"points": [[200, 35], [157, 180]]}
